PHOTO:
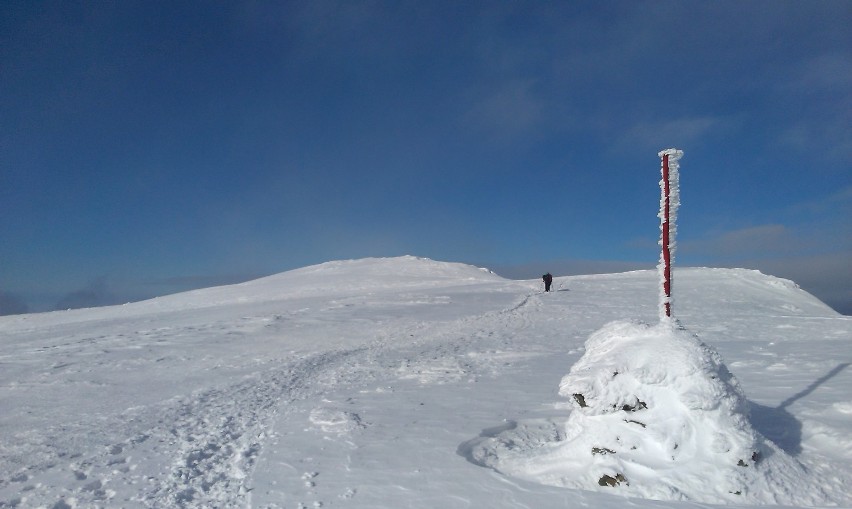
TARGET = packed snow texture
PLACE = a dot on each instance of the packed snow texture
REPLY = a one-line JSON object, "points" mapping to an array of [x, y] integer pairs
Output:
{"points": [[406, 382]]}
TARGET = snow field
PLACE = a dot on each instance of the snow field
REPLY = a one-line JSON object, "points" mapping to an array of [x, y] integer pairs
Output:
{"points": [[377, 383]]}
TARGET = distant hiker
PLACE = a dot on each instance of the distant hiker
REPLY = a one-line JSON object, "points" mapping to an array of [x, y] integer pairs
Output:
{"points": [[548, 279]]}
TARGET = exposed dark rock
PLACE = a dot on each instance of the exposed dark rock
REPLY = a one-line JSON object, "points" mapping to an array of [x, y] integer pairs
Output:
{"points": [[602, 450], [754, 457], [608, 480], [638, 406]]}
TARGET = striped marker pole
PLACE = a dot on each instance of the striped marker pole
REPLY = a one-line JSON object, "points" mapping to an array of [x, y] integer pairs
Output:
{"points": [[669, 203]]}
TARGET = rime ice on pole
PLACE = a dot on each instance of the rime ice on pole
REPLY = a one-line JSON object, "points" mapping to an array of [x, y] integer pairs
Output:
{"points": [[669, 203]]}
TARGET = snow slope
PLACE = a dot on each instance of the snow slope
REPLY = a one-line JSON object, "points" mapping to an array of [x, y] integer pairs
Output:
{"points": [[377, 383]]}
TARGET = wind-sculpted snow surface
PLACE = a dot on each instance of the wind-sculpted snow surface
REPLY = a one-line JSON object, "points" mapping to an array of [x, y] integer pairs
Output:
{"points": [[376, 383]]}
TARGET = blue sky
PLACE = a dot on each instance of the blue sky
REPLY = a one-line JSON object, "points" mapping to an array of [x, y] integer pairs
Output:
{"points": [[150, 147]]}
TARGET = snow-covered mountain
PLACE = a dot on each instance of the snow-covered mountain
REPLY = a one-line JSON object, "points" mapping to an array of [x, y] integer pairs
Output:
{"points": [[406, 382]]}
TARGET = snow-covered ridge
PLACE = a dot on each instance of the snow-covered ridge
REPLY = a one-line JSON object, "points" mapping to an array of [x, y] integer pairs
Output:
{"points": [[363, 383], [730, 289], [340, 277], [733, 291], [740, 291]]}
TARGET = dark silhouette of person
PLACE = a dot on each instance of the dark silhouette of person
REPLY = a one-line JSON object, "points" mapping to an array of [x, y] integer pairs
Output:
{"points": [[548, 280]]}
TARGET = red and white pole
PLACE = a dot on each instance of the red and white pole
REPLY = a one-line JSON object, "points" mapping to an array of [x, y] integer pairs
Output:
{"points": [[669, 203]]}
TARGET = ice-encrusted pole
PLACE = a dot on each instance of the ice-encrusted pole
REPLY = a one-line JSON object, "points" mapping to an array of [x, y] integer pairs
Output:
{"points": [[669, 203]]}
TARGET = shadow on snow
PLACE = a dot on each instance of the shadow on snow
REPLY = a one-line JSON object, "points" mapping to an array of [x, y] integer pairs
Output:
{"points": [[779, 425]]}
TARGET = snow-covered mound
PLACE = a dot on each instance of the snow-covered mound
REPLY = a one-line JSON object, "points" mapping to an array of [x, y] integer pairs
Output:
{"points": [[340, 278], [371, 273], [735, 292], [658, 415], [656, 396]]}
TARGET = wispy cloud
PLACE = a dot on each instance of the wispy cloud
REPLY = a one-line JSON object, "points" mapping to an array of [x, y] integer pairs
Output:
{"points": [[510, 109], [838, 203], [810, 227], [829, 138], [830, 72], [684, 131], [752, 241], [822, 85]]}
